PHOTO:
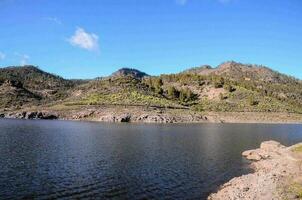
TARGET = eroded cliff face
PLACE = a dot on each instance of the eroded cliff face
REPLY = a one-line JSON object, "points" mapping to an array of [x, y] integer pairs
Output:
{"points": [[277, 175]]}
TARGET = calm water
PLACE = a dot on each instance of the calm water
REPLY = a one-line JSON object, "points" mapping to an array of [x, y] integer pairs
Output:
{"points": [[67, 160]]}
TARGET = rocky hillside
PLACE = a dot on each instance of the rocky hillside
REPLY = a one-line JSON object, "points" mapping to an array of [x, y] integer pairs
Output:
{"points": [[239, 71], [129, 72], [13, 94], [230, 87], [33, 78], [30, 85], [122, 89]]}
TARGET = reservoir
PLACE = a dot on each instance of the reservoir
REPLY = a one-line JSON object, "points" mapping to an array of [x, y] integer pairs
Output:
{"points": [[91, 160]]}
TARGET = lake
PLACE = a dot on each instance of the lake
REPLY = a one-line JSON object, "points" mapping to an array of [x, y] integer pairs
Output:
{"points": [[84, 160]]}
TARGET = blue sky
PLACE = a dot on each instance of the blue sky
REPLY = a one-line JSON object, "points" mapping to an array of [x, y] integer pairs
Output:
{"points": [[86, 39]]}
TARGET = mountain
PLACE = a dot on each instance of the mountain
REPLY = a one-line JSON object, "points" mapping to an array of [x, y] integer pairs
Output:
{"points": [[129, 72], [29, 85], [230, 87], [239, 71], [122, 88], [12, 93], [33, 78]]}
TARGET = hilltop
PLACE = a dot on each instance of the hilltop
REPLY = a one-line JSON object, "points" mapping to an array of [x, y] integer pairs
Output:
{"points": [[29, 84], [228, 88], [129, 72], [239, 71]]}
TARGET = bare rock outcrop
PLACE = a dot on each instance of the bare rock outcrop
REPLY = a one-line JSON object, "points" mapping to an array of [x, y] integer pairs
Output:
{"points": [[123, 118], [83, 114], [126, 117], [275, 169], [31, 115], [155, 118]]}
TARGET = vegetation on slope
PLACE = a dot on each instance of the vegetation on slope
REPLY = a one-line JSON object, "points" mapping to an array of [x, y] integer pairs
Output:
{"points": [[29, 85], [229, 87]]}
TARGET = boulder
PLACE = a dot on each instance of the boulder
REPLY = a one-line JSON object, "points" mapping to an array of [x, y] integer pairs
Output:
{"points": [[155, 119], [47, 115], [31, 115], [107, 118], [18, 115], [116, 118], [271, 145], [123, 118], [252, 155], [267, 150], [83, 114]]}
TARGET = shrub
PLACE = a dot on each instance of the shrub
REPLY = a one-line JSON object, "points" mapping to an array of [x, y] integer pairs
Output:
{"points": [[159, 90], [186, 95], [218, 82], [173, 93], [221, 96], [252, 101], [229, 88]]}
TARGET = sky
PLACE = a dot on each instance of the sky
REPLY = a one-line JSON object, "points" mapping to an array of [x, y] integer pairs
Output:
{"points": [[92, 38]]}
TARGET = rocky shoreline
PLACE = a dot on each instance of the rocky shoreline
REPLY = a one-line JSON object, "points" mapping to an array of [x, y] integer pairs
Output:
{"points": [[92, 115], [277, 175], [143, 115], [29, 115]]}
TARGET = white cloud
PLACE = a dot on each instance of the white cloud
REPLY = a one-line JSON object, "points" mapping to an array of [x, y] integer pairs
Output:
{"points": [[54, 19], [85, 40], [181, 2], [24, 59], [2, 56]]}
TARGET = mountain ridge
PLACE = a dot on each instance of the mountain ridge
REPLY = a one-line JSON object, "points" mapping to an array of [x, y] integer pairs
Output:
{"points": [[232, 68], [230, 87], [125, 71]]}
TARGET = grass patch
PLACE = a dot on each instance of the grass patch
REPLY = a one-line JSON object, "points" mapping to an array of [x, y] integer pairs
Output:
{"points": [[298, 149], [126, 97], [65, 106], [296, 190]]}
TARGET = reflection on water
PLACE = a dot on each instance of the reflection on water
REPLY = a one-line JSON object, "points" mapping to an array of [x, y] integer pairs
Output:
{"points": [[61, 159]]}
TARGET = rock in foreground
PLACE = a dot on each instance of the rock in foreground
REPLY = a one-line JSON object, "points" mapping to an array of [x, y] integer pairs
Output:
{"points": [[277, 175]]}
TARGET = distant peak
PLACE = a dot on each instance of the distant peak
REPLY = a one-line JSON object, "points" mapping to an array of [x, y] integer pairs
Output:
{"points": [[125, 71], [30, 67], [239, 64], [207, 67], [199, 69], [230, 64]]}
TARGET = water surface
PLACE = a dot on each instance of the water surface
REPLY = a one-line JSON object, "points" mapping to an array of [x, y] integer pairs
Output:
{"points": [[68, 160]]}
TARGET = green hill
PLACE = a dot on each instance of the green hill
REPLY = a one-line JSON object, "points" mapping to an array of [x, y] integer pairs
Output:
{"points": [[231, 86], [29, 85]]}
